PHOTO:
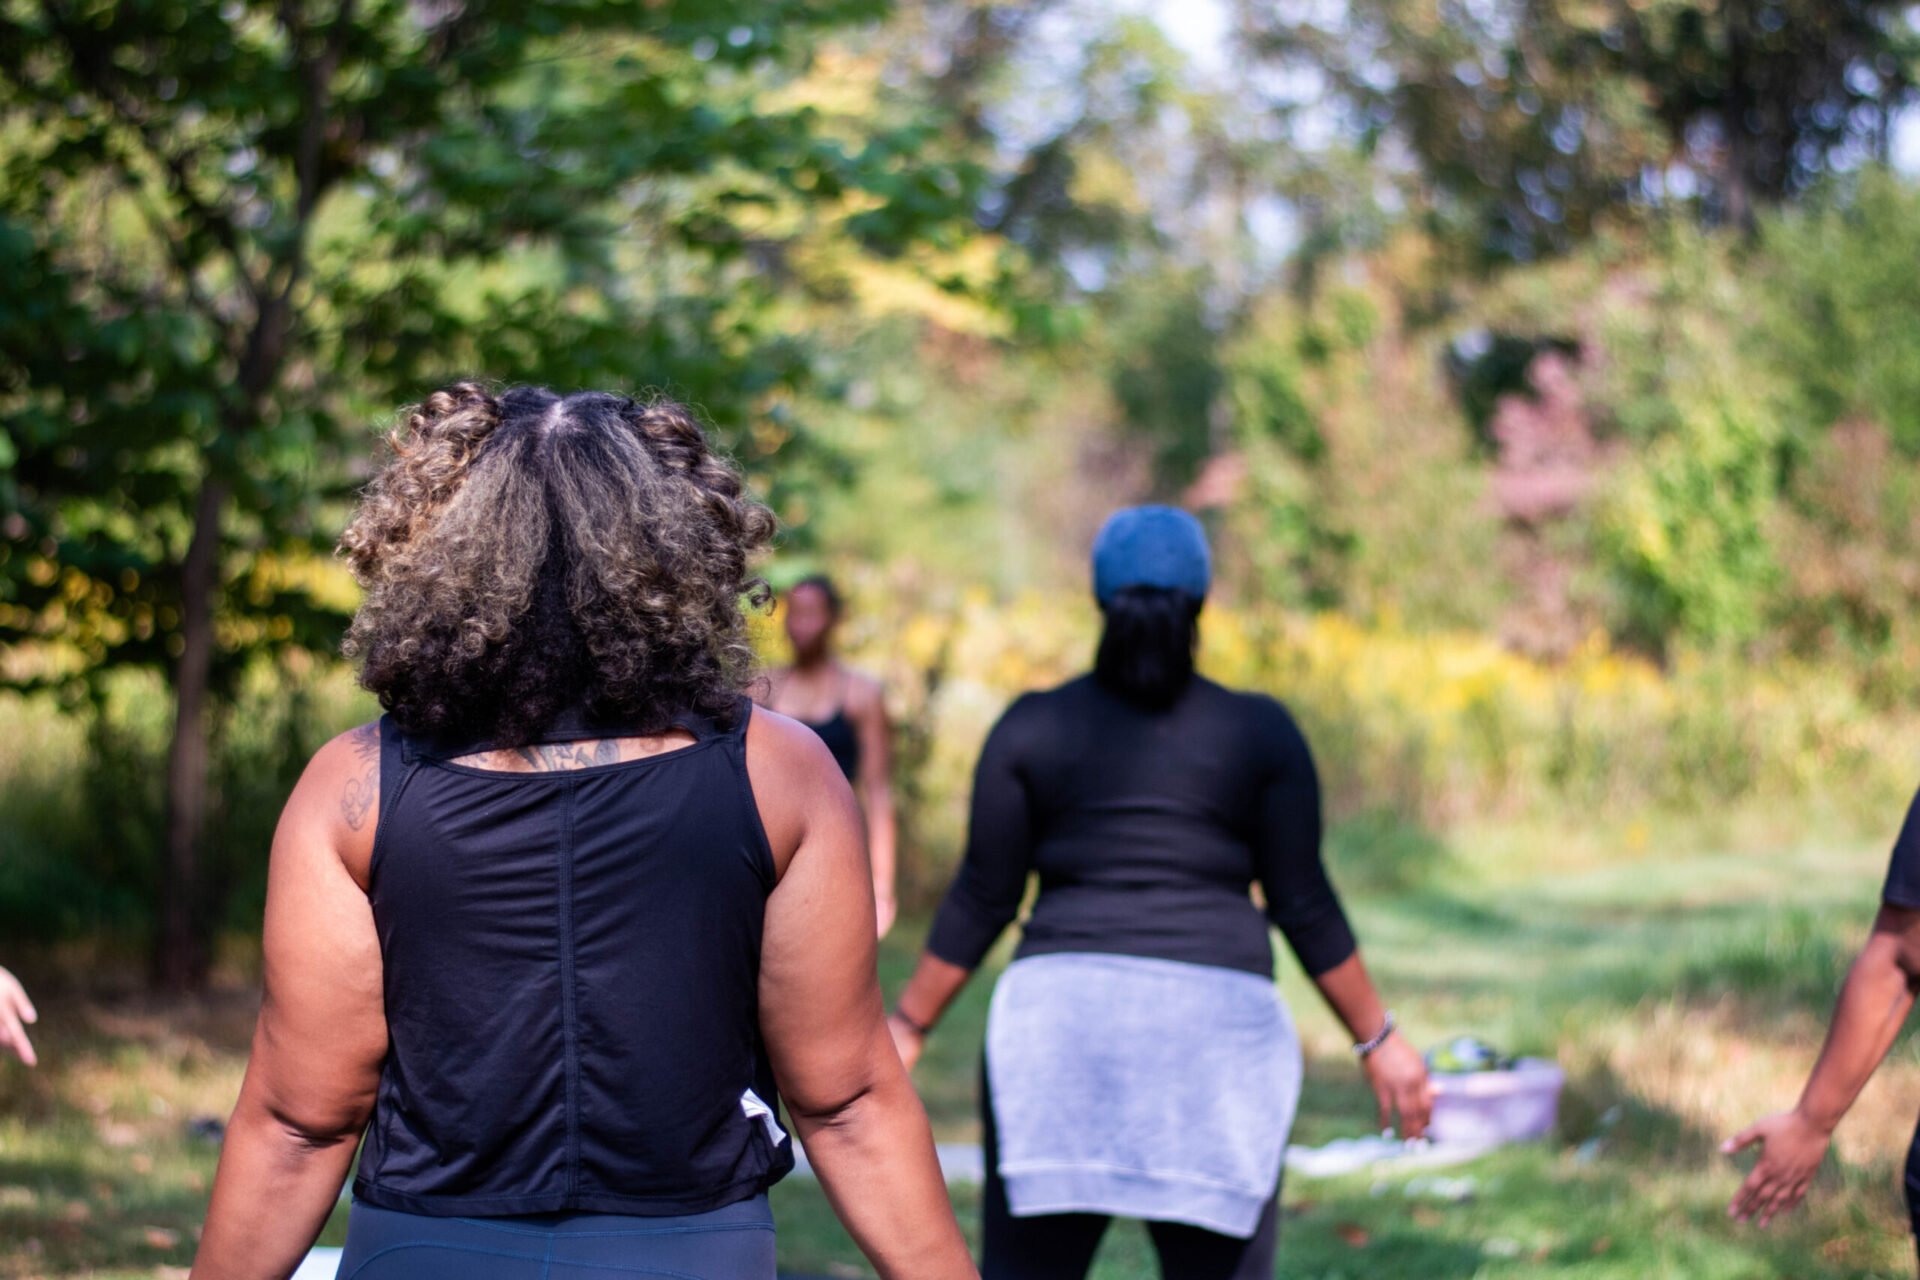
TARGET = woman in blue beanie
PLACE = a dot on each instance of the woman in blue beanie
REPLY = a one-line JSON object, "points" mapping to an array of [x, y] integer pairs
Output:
{"points": [[1139, 1060]]}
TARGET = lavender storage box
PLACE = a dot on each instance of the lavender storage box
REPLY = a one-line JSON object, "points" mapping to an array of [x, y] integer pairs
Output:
{"points": [[1487, 1108]]}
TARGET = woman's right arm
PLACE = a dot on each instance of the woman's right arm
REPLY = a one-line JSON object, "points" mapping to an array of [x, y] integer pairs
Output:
{"points": [[821, 1013], [985, 894], [322, 1033]]}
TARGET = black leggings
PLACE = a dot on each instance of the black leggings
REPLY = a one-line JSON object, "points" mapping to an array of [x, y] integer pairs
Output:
{"points": [[1060, 1246], [1913, 1185]]}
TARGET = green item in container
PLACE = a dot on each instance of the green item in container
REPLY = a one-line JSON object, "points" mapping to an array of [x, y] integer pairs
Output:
{"points": [[1465, 1055]]}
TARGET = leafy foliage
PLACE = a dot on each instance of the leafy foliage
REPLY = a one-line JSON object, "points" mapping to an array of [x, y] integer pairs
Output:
{"points": [[1531, 126], [232, 231]]}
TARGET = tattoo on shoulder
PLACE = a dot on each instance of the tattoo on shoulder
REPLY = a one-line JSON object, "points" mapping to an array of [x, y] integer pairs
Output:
{"points": [[358, 796], [548, 756]]}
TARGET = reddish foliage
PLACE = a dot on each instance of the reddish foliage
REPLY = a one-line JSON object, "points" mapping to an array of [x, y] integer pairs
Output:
{"points": [[1547, 465]]}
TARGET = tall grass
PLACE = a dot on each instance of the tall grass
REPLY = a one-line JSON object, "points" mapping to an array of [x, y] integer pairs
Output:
{"points": [[1419, 737], [82, 799]]}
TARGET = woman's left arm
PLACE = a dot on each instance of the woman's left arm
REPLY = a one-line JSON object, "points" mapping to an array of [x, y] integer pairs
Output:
{"points": [[868, 711], [322, 1033], [1302, 903], [1394, 1067]]}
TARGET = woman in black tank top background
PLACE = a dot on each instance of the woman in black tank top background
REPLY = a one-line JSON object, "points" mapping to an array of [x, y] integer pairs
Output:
{"points": [[848, 710], [560, 935]]}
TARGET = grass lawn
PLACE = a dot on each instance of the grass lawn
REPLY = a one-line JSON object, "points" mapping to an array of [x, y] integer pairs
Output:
{"points": [[1683, 993]]}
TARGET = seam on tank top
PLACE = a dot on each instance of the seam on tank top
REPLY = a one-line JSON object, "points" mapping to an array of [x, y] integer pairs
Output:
{"points": [[569, 1003], [769, 869]]}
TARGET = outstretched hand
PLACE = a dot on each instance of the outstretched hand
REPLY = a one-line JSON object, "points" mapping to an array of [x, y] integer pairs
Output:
{"points": [[1398, 1075], [1791, 1148], [16, 1011]]}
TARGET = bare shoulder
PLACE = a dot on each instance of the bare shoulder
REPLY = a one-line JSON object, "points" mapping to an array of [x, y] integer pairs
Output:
{"points": [[792, 773], [350, 765], [338, 796], [865, 695], [783, 753]]}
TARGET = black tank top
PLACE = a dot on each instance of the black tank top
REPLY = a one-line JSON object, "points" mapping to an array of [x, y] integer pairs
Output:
{"points": [[837, 732], [572, 983]]}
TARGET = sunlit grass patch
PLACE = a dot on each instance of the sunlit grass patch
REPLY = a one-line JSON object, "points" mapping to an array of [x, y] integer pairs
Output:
{"points": [[1684, 994]]}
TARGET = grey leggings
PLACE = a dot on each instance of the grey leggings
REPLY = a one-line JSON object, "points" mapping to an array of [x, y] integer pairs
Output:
{"points": [[733, 1243]]}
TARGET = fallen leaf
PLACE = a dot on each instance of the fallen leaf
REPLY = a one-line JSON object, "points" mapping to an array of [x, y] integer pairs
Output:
{"points": [[161, 1238], [1429, 1218], [1603, 1244], [1353, 1233], [76, 1211], [141, 1163]]}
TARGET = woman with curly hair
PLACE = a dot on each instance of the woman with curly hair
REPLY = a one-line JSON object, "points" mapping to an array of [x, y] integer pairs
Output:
{"points": [[560, 932]]}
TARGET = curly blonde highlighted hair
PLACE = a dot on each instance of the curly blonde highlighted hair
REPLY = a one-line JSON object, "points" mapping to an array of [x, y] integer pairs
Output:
{"points": [[530, 553]]}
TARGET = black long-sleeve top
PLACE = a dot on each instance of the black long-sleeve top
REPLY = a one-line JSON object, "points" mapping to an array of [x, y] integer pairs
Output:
{"points": [[1147, 829]]}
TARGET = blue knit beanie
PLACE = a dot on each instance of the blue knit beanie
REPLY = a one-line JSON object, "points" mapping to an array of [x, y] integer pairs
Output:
{"points": [[1151, 547]]}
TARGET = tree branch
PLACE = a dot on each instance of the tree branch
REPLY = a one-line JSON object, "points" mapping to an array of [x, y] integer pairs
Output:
{"points": [[183, 262], [97, 75], [316, 84]]}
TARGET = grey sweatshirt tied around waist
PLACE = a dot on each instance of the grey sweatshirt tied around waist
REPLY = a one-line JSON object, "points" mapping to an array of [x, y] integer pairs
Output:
{"points": [[1141, 1088]]}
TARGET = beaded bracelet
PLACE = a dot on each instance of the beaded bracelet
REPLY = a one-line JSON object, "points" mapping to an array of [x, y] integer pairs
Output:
{"points": [[1362, 1050]]}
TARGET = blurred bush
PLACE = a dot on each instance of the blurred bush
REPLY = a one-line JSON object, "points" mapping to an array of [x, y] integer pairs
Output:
{"points": [[1417, 734], [81, 799]]}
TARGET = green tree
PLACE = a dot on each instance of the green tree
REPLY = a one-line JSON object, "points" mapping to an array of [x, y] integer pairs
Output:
{"points": [[1529, 123], [1685, 535], [1840, 316], [229, 230]]}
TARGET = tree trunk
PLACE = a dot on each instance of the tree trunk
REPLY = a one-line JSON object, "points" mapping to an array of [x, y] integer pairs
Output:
{"points": [[1738, 190], [182, 956]]}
